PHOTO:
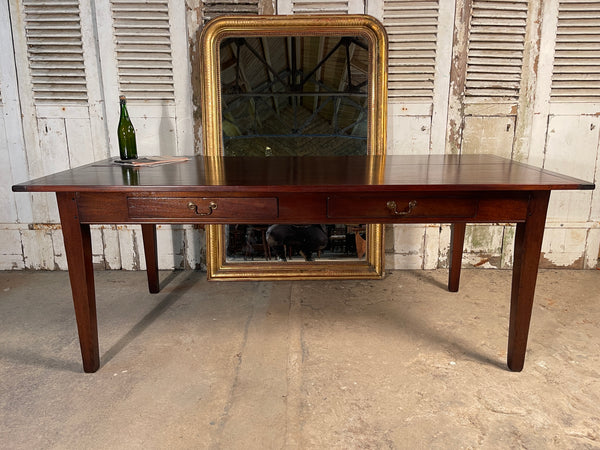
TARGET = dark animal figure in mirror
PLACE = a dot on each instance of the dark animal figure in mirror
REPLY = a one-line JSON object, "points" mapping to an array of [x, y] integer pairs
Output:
{"points": [[305, 238]]}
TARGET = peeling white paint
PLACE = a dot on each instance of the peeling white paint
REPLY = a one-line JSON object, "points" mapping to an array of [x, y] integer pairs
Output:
{"points": [[11, 251]]}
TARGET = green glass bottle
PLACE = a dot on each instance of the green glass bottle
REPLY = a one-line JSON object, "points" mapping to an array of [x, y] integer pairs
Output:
{"points": [[126, 133]]}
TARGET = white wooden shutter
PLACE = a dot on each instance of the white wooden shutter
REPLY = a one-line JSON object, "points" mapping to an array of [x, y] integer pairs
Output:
{"points": [[55, 53], [13, 160], [315, 7], [320, 7], [143, 49], [412, 28], [576, 69], [143, 46], [212, 9], [495, 50]]}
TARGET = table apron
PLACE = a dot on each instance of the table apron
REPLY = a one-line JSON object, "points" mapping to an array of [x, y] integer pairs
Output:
{"points": [[307, 207]]}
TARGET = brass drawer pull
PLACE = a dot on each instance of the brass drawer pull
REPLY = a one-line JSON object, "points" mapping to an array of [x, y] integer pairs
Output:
{"points": [[391, 205], [211, 207]]}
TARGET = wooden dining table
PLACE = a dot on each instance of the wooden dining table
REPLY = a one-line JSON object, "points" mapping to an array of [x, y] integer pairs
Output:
{"points": [[455, 189]]}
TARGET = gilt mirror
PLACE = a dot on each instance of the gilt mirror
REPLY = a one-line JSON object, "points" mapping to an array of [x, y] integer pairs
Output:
{"points": [[294, 85]]}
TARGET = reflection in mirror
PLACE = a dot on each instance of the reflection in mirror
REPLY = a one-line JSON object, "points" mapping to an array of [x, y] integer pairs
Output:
{"points": [[294, 96]]}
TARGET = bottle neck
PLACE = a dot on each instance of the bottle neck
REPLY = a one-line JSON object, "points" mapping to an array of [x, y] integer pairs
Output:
{"points": [[124, 112]]}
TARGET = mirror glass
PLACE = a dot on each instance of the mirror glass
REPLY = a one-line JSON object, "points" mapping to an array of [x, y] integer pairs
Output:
{"points": [[294, 95]]}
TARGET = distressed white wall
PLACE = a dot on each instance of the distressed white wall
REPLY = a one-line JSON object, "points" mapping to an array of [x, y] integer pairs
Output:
{"points": [[38, 139], [557, 135]]}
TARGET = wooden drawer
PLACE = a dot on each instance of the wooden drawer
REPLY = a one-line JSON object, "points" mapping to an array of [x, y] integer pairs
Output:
{"points": [[398, 207], [208, 209]]}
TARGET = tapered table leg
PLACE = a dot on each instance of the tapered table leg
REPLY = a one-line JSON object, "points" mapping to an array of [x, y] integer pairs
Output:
{"points": [[528, 244], [150, 250], [457, 240], [78, 248]]}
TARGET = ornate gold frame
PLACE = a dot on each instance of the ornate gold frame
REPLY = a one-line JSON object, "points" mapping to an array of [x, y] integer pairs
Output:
{"points": [[255, 26]]}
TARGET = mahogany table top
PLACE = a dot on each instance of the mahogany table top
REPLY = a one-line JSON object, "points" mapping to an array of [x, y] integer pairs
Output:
{"points": [[432, 173]]}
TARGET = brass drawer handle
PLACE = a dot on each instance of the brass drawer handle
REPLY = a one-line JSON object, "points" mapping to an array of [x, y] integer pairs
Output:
{"points": [[391, 205], [211, 207]]}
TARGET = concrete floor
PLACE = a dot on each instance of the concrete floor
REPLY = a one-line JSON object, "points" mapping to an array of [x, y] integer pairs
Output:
{"points": [[397, 363]]}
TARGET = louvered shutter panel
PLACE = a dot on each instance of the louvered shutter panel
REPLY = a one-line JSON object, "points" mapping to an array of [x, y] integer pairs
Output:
{"points": [[219, 8], [314, 7], [55, 53], [412, 32], [495, 50], [143, 48], [576, 72]]}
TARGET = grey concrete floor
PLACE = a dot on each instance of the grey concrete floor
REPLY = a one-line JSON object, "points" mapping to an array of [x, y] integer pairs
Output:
{"points": [[396, 363]]}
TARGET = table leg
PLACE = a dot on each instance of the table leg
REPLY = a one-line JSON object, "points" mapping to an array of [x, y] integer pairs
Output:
{"points": [[457, 240], [528, 244], [78, 248], [150, 250]]}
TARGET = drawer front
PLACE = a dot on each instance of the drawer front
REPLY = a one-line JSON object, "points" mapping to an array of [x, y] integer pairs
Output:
{"points": [[203, 209], [386, 207]]}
